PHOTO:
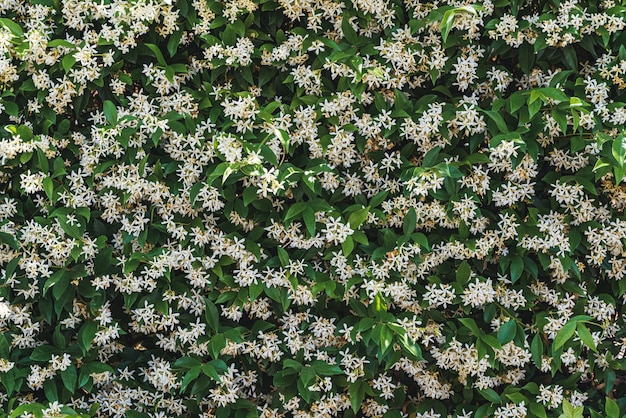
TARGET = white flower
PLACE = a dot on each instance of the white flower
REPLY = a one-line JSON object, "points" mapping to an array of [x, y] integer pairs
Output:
{"points": [[479, 293]]}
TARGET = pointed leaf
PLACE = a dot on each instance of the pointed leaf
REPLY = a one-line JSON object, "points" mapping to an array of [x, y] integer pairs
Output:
{"points": [[564, 334]]}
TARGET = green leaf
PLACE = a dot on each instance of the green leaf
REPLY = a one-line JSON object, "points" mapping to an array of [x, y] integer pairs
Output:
{"points": [[386, 338], [60, 42], [536, 349], [283, 137], [570, 412], [619, 173], [43, 161], [86, 335], [564, 334], [379, 303], [50, 390], [174, 42], [611, 408], [535, 95], [48, 188], [569, 53], [538, 410], [526, 57], [472, 326], [292, 364], [410, 221], [517, 267], [284, 378], [54, 279], [516, 101], [410, 347], [8, 239], [517, 397], [446, 23], [34, 408], [12, 26], [249, 194], [110, 112], [498, 119], [308, 215], [561, 119], [324, 369], [357, 394], [533, 108], [218, 342], [69, 378], [347, 29], [491, 341], [553, 93], [157, 54], [618, 149], [491, 395], [187, 362], [135, 414], [347, 246], [585, 336], [463, 273], [43, 353], [283, 256], [506, 332], [356, 218], [307, 376], [430, 158], [59, 167], [255, 291], [212, 315], [209, 370], [509, 136], [190, 376], [295, 210], [68, 62]]}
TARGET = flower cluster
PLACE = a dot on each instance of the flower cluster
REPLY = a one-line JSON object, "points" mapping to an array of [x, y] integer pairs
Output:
{"points": [[312, 208]]}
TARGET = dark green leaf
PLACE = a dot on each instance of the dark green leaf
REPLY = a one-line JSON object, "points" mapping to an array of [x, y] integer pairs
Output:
{"points": [[190, 376], [472, 326], [294, 210], [491, 395], [585, 336], [9, 240], [498, 119], [506, 332], [212, 315], [308, 215], [348, 31], [357, 394], [536, 349], [86, 335], [110, 112], [48, 188], [410, 221], [68, 62], [565, 334], [69, 378], [157, 54], [463, 273], [517, 267], [358, 217], [618, 149]]}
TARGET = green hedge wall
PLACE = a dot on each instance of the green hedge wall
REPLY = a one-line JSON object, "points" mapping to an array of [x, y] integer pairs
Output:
{"points": [[312, 208]]}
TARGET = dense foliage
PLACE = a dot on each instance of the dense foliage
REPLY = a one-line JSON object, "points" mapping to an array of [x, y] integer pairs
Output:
{"points": [[312, 208]]}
